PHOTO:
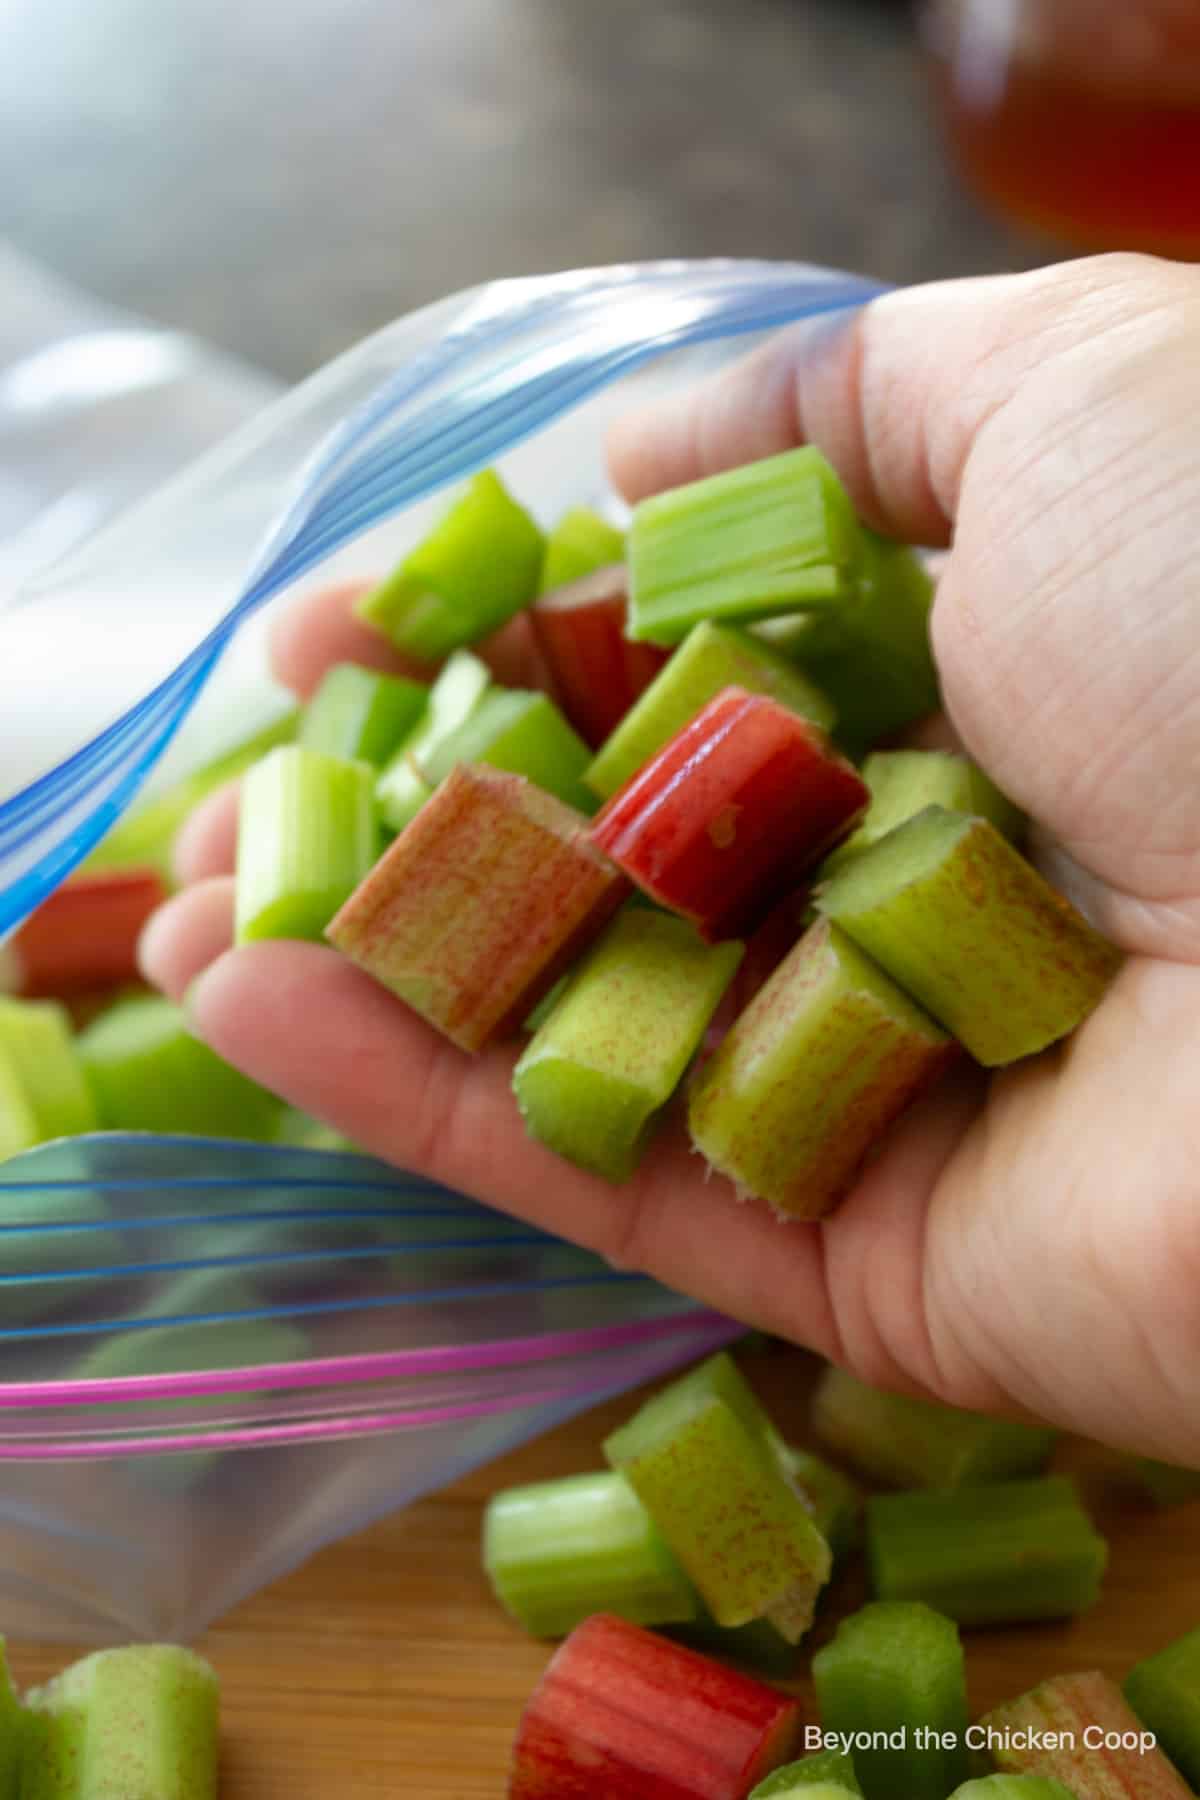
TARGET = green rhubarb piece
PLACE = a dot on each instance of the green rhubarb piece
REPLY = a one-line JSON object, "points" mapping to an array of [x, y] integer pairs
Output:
{"points": [[1164, 1692], [402, 788], [580, 542], [963, 923], [18, 1126], [758, 1645], [761, 539], [12, 1729], [1012, 1787], [594, 1080], [147, 1072], [146, 836], [715, 1490], [870, 652], [133, 1724], [307, 834], [361, 715], [823, 1059], [558, 1551], [522, 732], [481, 564], [897, 1669], [830, 1772], [37, 1045], [1163, 1483], [911, 1443], [985, 1555], [833, 1499], [904, 782], [800, 1787], [712, 657]]}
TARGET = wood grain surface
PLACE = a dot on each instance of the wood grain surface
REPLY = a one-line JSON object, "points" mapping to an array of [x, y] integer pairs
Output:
{"points": [[384, 1668]]}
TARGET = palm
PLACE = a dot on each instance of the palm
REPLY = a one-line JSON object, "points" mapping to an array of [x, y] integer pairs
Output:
{"points": [[1031, 1244]]}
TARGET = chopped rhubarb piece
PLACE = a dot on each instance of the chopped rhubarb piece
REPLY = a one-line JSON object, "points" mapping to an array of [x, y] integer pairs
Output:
{"points": [[731, 812], [1164, 1692], [912, 1443], [830, 1770], [624, 1715], [711, 658], [480, 904], [752, 541], [708, 1473], [1077, 1729], [965, 925], [83, 937], [558, 1551], [892, 1681], [987, 1555], [904, 782], [580, 542], [597, 671], [811, 1075]]}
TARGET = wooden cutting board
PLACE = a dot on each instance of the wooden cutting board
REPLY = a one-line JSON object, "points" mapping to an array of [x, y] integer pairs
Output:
{"points": [[384, 1668]]}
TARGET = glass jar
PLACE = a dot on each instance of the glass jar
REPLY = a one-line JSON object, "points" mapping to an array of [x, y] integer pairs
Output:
{"points": [[1079, 117]]}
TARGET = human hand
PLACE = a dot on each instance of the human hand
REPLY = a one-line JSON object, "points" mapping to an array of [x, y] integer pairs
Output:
{"points": [[1028, 1243]]}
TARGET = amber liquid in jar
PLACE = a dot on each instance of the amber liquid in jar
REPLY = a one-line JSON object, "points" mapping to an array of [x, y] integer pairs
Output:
{"points": [[1080, 117]]}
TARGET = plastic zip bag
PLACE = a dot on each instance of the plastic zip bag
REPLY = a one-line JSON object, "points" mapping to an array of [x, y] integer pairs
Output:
{"points": [[218, 1357], [158, 595]]}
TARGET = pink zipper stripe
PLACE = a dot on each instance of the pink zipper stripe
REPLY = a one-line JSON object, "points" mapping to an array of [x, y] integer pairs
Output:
{"points": [[19, 1396], [337, 1429]]}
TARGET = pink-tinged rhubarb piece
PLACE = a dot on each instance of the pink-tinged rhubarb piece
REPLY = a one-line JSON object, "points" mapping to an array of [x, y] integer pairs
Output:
{"points": [[1077, 1729], [83, 936], [480, 904], [729, 814], [623, 1715], [597, 671]]}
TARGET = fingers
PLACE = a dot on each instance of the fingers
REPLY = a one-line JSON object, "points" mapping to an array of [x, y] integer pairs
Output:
{"points": [[207, 840], [319, 629], [895, 394], [186, 935]]}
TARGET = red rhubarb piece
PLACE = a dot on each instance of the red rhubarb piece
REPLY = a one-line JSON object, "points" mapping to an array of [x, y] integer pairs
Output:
{"points": [[729, 814], [83, 936], [624, 1715], [598, 673], [480, 904]]}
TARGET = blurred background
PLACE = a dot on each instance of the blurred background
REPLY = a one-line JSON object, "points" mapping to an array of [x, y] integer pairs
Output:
{"points": [[282, 178]]}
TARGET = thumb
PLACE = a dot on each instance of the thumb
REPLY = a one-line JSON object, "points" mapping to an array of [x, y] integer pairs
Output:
{"points": [[895, 394]]}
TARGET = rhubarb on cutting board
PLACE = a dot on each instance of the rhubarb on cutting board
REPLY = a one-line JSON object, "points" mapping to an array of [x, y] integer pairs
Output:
{"points": [[711, 658], [557, 1551], [906, 1442], [622, 1714], [596, 671], [988, 1555], [1078, 1730], [761, 539], [710, 1479], [727, 816], [963, 923], [307, 834], [603, 1064], [480, 904], [477, 567], [820, 1064], [897, 1669], [133, 1724], [1164, 1692], [832, 1768]]}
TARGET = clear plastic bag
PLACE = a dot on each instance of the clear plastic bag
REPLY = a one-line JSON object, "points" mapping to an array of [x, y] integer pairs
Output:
{"points": [[254, 1351]]}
